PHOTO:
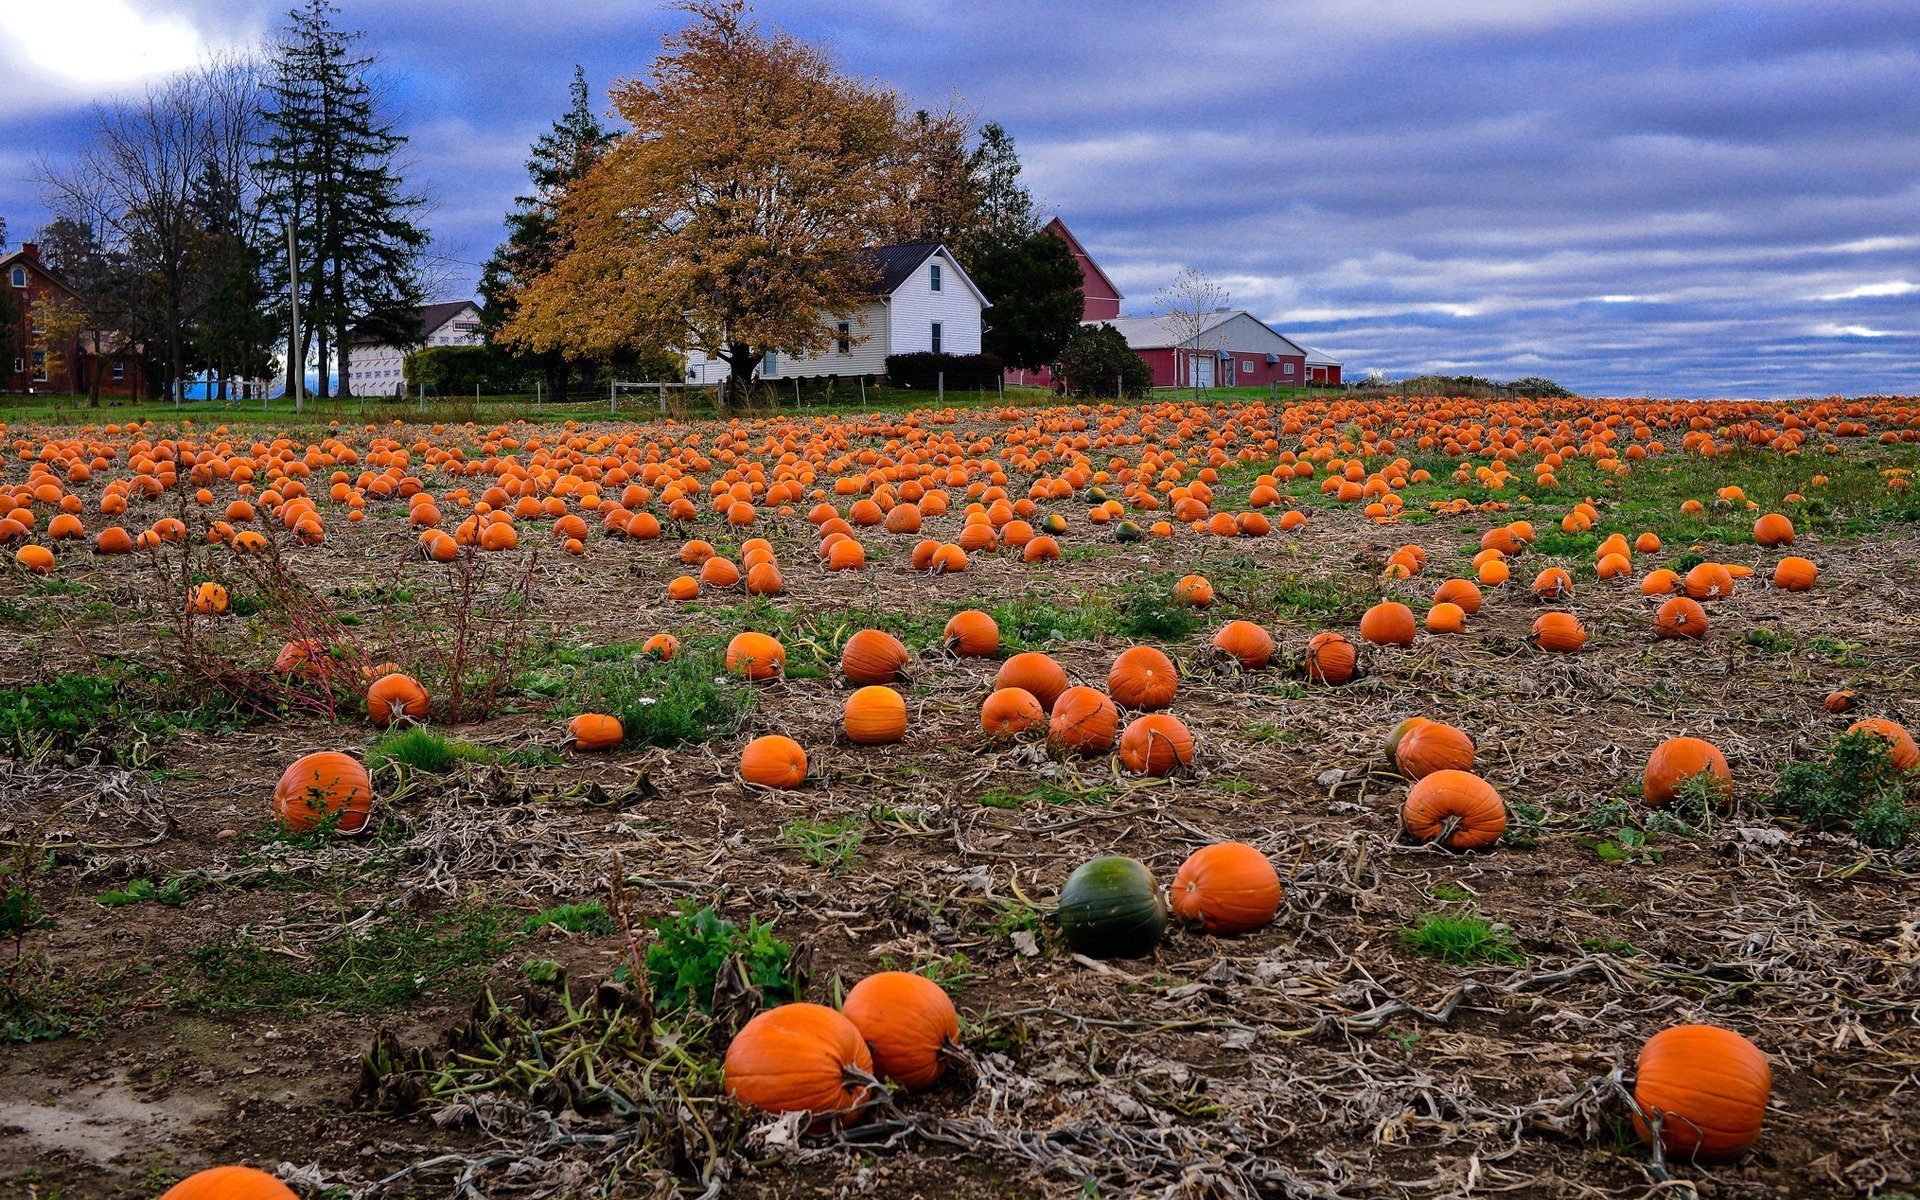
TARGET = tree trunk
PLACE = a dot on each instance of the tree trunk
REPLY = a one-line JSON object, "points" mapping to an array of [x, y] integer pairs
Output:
{"points": [[343, 337]]}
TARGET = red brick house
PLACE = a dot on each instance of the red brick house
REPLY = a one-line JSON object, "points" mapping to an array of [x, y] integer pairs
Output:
{"points": [[73, 366]]}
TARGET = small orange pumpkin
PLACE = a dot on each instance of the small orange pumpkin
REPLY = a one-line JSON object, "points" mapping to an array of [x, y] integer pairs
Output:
{"points": [[1330, 658], [756, 656], [971, 633], [1795, 574], [1680, 617], [1011, 711], [1142, 678], [1036, 673], [1084, 721], [875, 716], [1558, 633], [1432, 746], [871, 656], [1388, 623], [395, 695], [1245, 643]]}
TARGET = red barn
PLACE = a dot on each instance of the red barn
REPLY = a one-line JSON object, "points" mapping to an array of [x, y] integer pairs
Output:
{"points": [[74, 366], [1101, 299], [1233, 349]]}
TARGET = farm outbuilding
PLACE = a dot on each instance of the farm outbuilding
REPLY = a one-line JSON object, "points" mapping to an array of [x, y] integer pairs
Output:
{"points": [[1233, 348]]}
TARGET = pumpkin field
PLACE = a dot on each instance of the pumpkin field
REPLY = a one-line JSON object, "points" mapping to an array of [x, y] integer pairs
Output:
{"points": [[1407, 796]]}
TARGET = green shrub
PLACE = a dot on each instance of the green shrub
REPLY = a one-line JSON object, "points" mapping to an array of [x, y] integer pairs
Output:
{"points": [[1150, 610], [694, 946], [414, 747], [1855, 788], [1461, 939], [688, 699]]}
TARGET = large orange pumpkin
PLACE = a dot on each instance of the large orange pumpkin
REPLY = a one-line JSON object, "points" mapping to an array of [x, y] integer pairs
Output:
{"points": [[1084, 721], [318, 787], [1245, 643], [1388, 623], [907, 1021], [1795, 574], [795, 1058], [229, 1183], [1432, 746], [1558, 632], [875, 716], [1680, 617], [1707, 1086], [871, 656], [1460, 810], [1229, 887], [971, 633], [1906, 755], [1156, 744], [1679, 759], [1143, 679], [1463, 592], [1330, 658], [595, 731], [756, 656], [1773, 530], [773, 761]]}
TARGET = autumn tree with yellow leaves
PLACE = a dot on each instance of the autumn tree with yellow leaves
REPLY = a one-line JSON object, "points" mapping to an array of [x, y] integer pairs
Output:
{"points": [[737, 211]]}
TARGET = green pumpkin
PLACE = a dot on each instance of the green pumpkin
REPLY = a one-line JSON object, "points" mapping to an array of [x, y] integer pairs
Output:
{"points": [[1129, 532], [1054, 524], [1110, 908], [1096, 495]]}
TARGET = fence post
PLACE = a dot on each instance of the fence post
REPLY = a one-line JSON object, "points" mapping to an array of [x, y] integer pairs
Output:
{"points": [[940, 380], [613, 391], [1120, 387], [796, 391], [663, 398], [863, 391]]}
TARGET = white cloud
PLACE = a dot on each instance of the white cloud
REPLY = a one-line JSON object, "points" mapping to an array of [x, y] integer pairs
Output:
{"points": [[1851, 331], [98, 41], [1892, 287]]}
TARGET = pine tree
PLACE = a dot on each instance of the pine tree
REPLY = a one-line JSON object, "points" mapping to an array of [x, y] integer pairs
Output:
{"points": [[559, 159], [329, 163]]}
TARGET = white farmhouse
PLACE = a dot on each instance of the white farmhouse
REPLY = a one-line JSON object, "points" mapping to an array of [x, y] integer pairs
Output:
{"points": [[923, 301], [379, 369]]}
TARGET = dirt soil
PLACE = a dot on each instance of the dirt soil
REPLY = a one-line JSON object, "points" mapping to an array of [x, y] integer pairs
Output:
{"points": [[1323, 1056]]}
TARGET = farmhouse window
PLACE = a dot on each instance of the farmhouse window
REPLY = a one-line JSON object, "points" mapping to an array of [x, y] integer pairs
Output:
{"points": [[936, 337], [933, 280], [119, 371], [1287, 370], [846, 342], [39, 366], [20, 277]]}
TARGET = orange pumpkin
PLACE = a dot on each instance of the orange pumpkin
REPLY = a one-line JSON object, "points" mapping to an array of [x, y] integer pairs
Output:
{"points": [[1431, 746], [318, 787], [1906, 755], [1839, 702], [1084, 721], [1708, 581], [1156, 744], [1143, 679], [1773, 530], [1330, 658], [756, 656], [1036, 673], [393, 696], [662, 646], [773, 761], [1011, 711], [595, 731], [871, 656], [39, 560], [1463, 592], [1458, 809], [1680, 617], [1553, 584], [1558, 633], [229, 1183], [1679, 759], [1227, 888], [1446, 618], [875, 716], [907, 1021], [1708, 1087], [1795, 574], [1193, 590], [795, 1058], [1245, 643], [1388, 623], [971, 633]]}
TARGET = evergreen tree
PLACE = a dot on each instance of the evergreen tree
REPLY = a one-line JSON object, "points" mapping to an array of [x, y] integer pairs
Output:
{"points": [[1034, 286], [1097, 360], [559, 159], [1005, 212], [330, 169]]}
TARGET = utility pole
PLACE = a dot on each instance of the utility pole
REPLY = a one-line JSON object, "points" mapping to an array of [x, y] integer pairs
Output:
{"points": [[293, 342]]}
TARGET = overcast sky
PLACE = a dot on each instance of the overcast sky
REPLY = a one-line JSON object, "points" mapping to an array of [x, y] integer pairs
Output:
{"points": [[1667, 198]]}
